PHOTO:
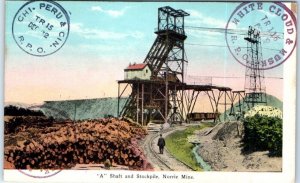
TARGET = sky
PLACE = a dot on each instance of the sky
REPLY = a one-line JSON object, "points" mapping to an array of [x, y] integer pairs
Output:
{"points": [[105, 37]]}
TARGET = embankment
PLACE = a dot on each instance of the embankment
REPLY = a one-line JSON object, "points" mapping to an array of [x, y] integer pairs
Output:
{"points": [[221, 148]]}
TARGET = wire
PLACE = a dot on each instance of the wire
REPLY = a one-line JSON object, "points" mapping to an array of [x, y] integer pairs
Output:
{"points": [[196, 44], [232, 31], [193, 76]]}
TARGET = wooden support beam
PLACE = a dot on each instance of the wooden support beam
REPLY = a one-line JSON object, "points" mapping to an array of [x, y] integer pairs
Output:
{"points": [[142, 104]]}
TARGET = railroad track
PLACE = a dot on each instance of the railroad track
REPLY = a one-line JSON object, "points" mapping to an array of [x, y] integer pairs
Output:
{"points": [[162, 164], [165, 162]]}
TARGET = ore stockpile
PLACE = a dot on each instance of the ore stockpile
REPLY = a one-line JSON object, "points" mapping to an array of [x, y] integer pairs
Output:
{"points": [[33, 142], [82, 109]]}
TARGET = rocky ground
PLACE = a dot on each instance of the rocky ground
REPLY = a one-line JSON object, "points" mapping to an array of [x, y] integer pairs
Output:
{"points": [[221, 148]]}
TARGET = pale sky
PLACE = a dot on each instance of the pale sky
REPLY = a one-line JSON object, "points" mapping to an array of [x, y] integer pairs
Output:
{"points": [[105, 37]]}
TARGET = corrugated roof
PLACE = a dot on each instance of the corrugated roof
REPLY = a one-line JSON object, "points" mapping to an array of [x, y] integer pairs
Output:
{"points": [[136, 66]]}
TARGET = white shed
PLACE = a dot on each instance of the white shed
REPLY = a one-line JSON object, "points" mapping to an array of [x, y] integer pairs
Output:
{"points": [[138, 71]]}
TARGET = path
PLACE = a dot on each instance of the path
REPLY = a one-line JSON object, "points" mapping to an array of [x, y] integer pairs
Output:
{"points": [[162, 162]]}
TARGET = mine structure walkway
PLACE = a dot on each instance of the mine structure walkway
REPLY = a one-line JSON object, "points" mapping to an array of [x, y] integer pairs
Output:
{"points": [[147, 100]]}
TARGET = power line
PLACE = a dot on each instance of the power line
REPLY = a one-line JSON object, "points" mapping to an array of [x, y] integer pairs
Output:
{"points": [[233, 31], [233, 77], [196, 44], [212, 45], [228, 31]]}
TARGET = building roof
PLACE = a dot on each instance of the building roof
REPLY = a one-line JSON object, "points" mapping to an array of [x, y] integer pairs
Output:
{"points": [[136, 67]]}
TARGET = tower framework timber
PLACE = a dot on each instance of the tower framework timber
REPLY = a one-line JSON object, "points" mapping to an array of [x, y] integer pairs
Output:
{"points": [[166, 96], [255, 89]]}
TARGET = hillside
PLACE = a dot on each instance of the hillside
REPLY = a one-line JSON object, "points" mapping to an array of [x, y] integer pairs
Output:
{"points": [[271, 101], [84, 109]]}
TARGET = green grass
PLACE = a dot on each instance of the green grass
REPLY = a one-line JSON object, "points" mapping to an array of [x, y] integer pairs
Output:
{"points": [[180, 148]]}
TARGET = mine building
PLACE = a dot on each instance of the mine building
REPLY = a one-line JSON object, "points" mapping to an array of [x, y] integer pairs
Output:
{"points": [[137, 71]]}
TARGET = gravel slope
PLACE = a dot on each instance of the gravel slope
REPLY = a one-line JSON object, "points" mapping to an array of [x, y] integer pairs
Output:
{"points": [[221, 148]]}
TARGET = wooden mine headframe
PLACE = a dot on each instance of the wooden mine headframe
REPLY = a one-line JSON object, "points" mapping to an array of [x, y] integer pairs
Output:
{"points": [[155, 98]]}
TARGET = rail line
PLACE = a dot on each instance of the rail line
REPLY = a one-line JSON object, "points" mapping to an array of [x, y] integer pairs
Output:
{"points": [[157, 156], [165, 162]]}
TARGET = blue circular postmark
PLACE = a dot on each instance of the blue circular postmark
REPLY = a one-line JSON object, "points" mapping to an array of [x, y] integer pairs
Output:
{"points": [[41, 28]]}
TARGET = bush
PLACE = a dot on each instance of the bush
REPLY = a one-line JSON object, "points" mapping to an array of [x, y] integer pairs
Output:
{"points": [[19, 111], [263, 133]]}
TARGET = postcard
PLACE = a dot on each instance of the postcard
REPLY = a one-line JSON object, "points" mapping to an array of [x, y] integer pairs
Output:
{"points": [[103, 91]]}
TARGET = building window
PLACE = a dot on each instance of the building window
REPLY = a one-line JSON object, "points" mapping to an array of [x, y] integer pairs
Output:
{"points": [[146, 70]]}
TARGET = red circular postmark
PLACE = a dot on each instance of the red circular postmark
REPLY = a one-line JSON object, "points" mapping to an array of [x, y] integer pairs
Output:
{"points": [[274, 26]]}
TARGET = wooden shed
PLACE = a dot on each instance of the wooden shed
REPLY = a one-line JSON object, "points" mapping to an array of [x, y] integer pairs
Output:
{"points": [[138, 71]]}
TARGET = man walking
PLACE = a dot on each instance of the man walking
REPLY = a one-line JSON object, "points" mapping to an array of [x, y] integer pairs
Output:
{"points": [[161, 144]]}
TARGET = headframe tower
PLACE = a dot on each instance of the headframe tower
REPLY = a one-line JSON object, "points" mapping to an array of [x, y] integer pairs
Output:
{"points": [[255, 89]]}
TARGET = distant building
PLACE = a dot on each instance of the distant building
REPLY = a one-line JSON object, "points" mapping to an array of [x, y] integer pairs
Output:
{"points": [[138, 71]]}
